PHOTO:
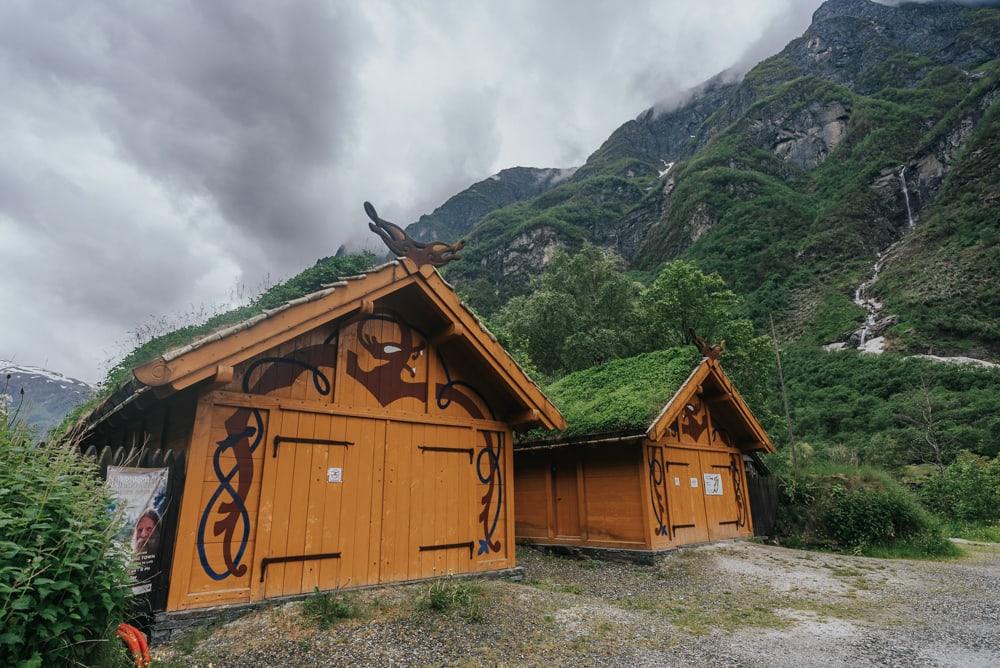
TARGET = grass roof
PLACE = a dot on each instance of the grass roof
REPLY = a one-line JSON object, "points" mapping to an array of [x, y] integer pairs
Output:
{"points": [[624, 394]]}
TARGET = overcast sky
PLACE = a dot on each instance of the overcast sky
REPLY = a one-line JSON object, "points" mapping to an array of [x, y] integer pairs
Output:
{"points": [[158, 154]]}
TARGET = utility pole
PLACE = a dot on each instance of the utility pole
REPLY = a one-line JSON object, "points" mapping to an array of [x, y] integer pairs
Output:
{"points": [[784, 393]]}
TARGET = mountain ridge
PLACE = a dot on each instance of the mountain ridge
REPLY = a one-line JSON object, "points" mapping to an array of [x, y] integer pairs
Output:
{"points": [[787, 181], [40, 396]]}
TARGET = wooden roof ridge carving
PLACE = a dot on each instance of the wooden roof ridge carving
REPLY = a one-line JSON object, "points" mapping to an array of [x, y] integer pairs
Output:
{"points": [[434, 253], [706, 348]]}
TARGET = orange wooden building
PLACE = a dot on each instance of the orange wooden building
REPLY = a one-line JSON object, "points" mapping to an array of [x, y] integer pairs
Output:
{"points": [[654, 457], [358, 435]]}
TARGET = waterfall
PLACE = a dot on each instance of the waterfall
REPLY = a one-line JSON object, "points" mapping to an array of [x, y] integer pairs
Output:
{"points": [[862, 298], [906, 196]]}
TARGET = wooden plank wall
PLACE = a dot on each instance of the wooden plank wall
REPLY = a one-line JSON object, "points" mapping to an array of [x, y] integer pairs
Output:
{"points": [[581, 496], [425, 484]]}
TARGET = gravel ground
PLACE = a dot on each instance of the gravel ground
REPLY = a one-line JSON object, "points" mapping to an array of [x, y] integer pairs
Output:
{"points": [[729, 604]]}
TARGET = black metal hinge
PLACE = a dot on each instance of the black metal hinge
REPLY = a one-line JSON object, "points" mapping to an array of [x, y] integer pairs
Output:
{"points": [[278, 440], [302, 557], [675, 527], [730, 522], [669, 463], [447, 546], [440, 448]]}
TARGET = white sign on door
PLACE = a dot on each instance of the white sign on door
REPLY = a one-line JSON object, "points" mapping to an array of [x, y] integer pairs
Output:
{"points": [[694, 482], [677, 481], [713, 484], [335, 474]]}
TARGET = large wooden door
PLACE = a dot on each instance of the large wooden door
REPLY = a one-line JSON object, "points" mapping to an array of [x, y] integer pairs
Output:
{"points": [[725, 504], [684, 490], [428, 523], [567, 493], [318, 512]]}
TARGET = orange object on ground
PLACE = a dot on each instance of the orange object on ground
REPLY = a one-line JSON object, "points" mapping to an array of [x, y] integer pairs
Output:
{"points": [[135, 640]]}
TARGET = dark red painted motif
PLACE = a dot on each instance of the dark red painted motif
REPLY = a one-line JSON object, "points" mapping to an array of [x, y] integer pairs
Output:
{"points": [[388, 380], [691, 424], [244, 434]]}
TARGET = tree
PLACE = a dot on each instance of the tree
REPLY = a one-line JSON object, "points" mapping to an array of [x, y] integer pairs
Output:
{"points": [[581, 312], [682, 299], [930, 439]]}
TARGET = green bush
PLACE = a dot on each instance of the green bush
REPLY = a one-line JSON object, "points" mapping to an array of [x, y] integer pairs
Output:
{"points": [[328, 608], [64, 585], [968, 490], [859, 510], [865, 516]]}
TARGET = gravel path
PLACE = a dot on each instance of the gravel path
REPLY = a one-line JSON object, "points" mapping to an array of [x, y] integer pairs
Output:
{"points": [[730, 604]]}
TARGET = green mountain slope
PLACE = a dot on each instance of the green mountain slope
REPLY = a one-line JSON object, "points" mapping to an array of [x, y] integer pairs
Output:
{"points": [[788, 183]]}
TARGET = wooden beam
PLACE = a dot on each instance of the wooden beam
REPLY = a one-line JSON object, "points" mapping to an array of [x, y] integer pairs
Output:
{"points": [[718, 398], [525, 418], [452, 331], [223, 376]]}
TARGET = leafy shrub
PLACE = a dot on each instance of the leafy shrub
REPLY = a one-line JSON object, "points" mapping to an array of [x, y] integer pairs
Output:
{"points": [[968, 490], [858, 510], [64, 585], [866, 516], [444, 596], [328, 608]]}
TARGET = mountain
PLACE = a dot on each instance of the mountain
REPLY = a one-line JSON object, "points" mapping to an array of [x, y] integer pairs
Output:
{"points": [[47, 396], [453, 219], [872, 139]]}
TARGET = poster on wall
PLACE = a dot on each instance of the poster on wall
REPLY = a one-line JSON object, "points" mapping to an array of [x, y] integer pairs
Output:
{"points": [[140, 496], [713, 484]]}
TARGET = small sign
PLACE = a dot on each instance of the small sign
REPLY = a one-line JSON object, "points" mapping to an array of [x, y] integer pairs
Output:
{"points": [[335, 474], [694, 483], [713, 484], [677, 481]]}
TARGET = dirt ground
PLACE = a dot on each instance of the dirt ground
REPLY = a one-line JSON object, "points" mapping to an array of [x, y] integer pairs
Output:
{"points": [[729, 604]]}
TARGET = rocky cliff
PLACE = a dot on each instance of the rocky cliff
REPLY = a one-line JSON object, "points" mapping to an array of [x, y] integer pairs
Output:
{"points": [[789, 182], [453, 219]]}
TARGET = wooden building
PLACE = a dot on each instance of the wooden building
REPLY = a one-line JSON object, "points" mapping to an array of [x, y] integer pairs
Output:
{"points": [[654, 456], [360, 434]]}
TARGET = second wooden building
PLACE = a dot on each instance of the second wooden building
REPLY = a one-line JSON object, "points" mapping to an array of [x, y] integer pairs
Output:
{"points": [[656, 455]]}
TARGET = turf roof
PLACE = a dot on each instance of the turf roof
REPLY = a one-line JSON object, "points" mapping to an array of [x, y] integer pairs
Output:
{"points": [[624, 394]]}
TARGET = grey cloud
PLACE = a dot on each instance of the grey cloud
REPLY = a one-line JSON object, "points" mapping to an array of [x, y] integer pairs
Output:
{"points": [[160, 152]]}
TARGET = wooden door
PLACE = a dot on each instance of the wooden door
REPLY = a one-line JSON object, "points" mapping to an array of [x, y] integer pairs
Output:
{"points": [[428, 521], [725, 501], [567, 494], [684, 491], [318, 512]]}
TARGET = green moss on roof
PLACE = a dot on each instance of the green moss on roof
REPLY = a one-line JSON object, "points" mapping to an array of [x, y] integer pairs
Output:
{"points": [[624, 394]]}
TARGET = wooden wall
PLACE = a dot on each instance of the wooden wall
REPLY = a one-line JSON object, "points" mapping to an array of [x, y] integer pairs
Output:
{"points": [[581, 496], [638, 495], [359, 453]]}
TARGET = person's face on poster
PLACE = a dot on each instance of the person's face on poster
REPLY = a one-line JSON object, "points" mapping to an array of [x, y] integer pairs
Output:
{"points": [[145, 535]]}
